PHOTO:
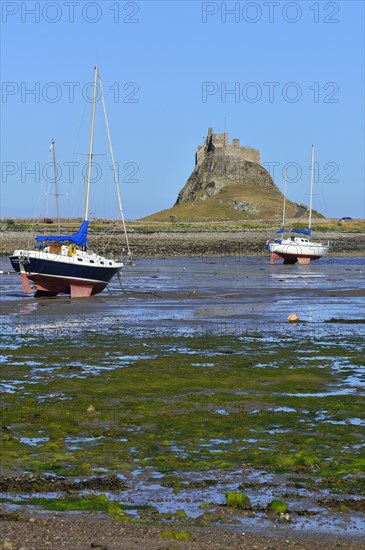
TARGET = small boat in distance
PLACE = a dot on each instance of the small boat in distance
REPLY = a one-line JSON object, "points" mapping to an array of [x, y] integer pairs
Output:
{"points": [[63, 263], [297, 248]]}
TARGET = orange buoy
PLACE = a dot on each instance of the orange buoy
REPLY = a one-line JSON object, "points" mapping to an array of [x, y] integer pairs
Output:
{"points": [[293, 318]]}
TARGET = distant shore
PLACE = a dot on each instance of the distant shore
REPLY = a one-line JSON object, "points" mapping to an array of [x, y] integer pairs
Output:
{"points": [[246, 242]]}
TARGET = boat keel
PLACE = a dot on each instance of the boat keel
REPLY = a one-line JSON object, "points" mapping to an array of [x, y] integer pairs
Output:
{"points": [[274, 258], [51, 286], [304, 261], [25, 284], [81, 291]]}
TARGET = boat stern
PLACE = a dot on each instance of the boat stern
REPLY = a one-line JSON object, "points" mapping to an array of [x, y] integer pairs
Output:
{"points": [[17, 260], [14, 260]]}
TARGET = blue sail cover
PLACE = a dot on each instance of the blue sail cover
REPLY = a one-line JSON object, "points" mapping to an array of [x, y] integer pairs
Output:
{"points": [[281, 230], [79, 238], [302, 231]]}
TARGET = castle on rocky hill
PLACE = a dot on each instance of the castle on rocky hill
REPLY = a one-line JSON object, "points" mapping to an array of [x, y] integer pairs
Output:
{"points": [[219, 144], [219, 164], [228, 183]]}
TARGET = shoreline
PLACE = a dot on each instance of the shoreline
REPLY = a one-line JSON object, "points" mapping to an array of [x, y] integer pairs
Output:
{"points": [[155, 244], [90, 530]]}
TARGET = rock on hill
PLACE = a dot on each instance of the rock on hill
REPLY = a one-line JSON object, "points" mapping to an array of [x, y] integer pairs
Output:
{"points": [[228, 183]]}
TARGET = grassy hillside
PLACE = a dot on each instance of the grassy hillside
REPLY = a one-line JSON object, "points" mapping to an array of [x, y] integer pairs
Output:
{"points": [[261, 205]]}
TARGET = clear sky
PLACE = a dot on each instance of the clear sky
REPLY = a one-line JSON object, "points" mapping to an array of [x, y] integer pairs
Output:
{"points": [[278, 75]]}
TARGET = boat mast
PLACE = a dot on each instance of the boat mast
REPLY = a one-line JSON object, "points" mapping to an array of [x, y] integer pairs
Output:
{"points": [[114, 168], [90, 155], [55, 183], [311, 190], [284, 197]]}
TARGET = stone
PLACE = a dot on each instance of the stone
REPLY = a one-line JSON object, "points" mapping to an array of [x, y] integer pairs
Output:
{"points": [[217, 164]]}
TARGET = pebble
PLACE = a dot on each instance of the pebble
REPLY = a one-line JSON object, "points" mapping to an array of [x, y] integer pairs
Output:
{"points": [[196, 244]]}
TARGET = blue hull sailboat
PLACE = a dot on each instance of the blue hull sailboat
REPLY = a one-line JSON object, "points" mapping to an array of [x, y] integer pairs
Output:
{"points": [[63, 263]]}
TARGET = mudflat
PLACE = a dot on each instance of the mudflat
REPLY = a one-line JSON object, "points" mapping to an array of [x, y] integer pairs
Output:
{"points": [[184, 410]]}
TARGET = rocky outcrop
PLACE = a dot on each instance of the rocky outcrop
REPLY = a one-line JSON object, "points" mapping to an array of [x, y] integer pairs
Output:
{"points": [[218, 170]]}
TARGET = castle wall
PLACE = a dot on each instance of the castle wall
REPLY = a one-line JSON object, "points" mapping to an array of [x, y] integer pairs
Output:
{"points": [[220, 144], [220, 140], [244, 153]]}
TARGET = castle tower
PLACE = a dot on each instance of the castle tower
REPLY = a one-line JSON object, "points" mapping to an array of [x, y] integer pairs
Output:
{"points": [[220, 143]]}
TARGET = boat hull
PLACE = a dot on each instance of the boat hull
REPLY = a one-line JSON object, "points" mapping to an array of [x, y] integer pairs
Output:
{"points": [[51, 277], [293, 253], [292, 258], [46, 286]]}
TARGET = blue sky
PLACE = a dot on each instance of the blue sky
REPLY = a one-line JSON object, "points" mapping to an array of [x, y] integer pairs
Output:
{"points": [[294, 69]]}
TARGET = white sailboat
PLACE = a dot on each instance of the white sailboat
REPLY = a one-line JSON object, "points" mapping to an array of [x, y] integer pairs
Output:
{"points": [[63, 263], [297, 248]]}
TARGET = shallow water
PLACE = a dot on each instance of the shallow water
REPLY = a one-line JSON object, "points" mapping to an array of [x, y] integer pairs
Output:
{"points": [[191, 295]]}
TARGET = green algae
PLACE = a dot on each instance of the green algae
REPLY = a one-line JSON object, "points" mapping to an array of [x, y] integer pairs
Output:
{"points": [[278, 507], [206, 505], [86, 502], [254, 406], [299, 461], [237, 500], [209, 517]]}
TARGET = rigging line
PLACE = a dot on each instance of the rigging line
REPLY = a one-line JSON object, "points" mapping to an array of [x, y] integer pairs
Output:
{"points": [[113, 164], [91, 144], [37, 214], [77, 198], [47, 198], [120, 281], [106, 236], [137, 292], [56, 185], [322, 197]]}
